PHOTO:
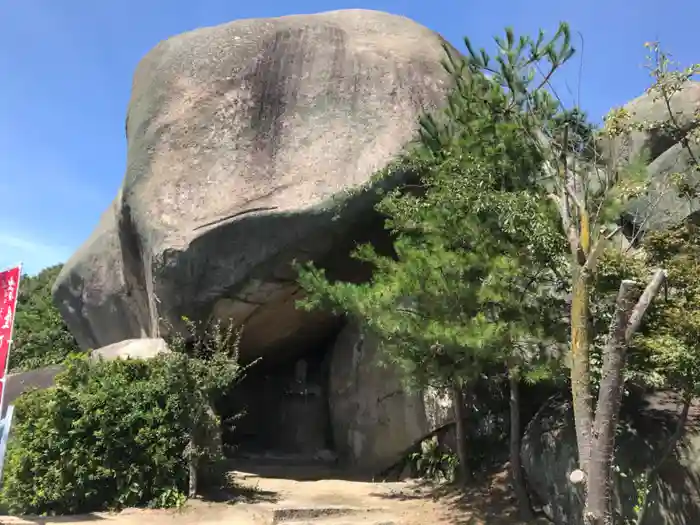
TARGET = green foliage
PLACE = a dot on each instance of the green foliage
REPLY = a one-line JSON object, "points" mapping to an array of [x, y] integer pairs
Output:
{"points": [[435, 462], [116, 434], [613, 266], [670, 341], [41, 337], [477, 245], [666, 351]]}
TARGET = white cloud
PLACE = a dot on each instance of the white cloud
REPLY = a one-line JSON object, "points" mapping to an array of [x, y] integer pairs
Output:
{"points": [[34, 254]]}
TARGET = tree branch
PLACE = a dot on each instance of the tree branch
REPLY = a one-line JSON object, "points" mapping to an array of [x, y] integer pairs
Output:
{"points": [[651, 291], [592, 258]]}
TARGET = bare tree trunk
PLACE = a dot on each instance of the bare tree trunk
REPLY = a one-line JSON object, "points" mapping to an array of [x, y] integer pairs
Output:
{"points": [[460, 433], [598, 509], [516, 469], [628, 317], [580, 367], [192, 468]]}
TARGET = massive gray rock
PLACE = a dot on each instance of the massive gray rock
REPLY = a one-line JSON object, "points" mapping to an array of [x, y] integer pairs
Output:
{"points": [[374, 419], [666, 154], [549, 455], [241, 137], [650, 108]]}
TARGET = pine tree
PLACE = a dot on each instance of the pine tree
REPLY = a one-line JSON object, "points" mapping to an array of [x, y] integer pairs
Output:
{"points": [[588, 190], [477, 250]]}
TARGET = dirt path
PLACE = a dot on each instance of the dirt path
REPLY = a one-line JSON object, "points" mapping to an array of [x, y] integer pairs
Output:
{"points": [[322, 502]]}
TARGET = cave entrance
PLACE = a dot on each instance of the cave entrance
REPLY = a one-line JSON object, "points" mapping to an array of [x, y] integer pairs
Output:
{"points": [[284, 397], [283, 406]]}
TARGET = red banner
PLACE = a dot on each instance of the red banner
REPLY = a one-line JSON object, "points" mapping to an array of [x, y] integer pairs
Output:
{"points": [[9, 286]]}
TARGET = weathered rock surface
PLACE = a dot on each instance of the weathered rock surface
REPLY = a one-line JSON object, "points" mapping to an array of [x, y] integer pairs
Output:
{"points": [[651, 108], [665, 206], [549, 455], [373, 417], [132, 349], [239, 138], [666, 156]]}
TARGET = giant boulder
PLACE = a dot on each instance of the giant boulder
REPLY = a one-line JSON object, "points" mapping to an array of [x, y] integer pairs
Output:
{"points": [[549, 455], [241, 140]]}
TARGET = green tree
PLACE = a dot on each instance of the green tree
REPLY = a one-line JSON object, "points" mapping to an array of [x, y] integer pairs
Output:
{"points": [[41, 337], [588, 191], [477, 246], [561, 153]]}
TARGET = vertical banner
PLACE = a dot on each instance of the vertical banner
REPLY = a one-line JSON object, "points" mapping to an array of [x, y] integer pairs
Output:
{"points": [[9, 286]]}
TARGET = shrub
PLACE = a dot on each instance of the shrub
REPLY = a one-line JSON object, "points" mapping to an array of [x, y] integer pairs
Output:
{"points": [[41, 337], [114, 434]]}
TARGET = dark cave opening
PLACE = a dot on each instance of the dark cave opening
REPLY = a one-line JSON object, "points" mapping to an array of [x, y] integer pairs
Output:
{"points": [[284, 397], [281, 405]]}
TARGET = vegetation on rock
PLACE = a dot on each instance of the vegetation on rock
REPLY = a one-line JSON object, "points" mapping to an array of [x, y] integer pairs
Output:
{"points": [[475, 277]]}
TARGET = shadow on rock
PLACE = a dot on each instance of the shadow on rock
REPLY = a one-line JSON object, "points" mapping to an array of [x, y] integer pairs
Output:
{"points": [[647, 422]]}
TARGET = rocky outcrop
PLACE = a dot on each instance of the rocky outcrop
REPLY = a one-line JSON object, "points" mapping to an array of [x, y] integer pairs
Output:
{"points": [[549, 455], [241, 138], [651, 108], [374, 418], [665, 153]]}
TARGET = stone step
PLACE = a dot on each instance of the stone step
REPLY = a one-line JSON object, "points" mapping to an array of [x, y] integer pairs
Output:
{"points": [[366, 518], [291, 513]]}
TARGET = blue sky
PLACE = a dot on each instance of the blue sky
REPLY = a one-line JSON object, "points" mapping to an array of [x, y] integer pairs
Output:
{"points": [[66, 68]]}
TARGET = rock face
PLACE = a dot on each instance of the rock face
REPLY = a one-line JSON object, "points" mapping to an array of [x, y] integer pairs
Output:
{"points": [[549, 455], [132, 349], [667, 155], [240, 137], [21, 382], [374, 419]]}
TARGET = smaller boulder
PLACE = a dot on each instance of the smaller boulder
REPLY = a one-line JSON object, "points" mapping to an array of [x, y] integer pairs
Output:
{"points": [[132, 349], [375, 420], [549, 455], [21, 382], [42, 378]]}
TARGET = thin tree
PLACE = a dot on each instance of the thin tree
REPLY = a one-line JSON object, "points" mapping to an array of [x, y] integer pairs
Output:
{"points": [[586, 194]]}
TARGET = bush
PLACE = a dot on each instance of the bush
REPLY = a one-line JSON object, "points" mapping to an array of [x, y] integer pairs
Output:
{"points": [[41, 337], [114, 434]]}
